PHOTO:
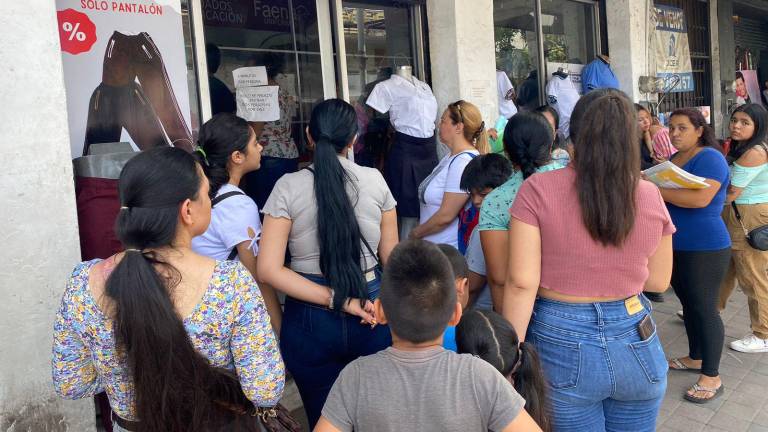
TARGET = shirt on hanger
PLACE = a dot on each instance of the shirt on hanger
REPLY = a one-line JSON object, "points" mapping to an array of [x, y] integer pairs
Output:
{"points": [[562, 95], [597, 74], [507, 107], [411, 105]]}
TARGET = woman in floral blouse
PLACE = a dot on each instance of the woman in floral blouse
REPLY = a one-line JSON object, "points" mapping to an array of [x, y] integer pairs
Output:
{"points": [[179, 341]]}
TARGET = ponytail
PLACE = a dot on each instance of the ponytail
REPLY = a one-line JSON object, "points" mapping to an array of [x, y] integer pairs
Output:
{"points": [[332, 126], [175, 387], [222, 135], [529, 383], [488, 335], [474, 127], [528, 141]]}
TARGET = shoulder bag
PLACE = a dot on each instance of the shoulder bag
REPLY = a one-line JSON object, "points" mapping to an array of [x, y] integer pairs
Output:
{"points": [[757, 237]]}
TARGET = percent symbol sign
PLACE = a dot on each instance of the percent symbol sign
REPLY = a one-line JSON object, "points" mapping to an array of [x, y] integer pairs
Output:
{"points": [[77, 33], [73, 31]]}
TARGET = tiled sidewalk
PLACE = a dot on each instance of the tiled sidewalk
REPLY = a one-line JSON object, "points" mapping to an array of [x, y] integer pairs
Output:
{"points": [[743, 406]]}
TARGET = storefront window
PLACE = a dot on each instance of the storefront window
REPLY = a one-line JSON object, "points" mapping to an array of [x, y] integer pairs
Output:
{"points": [[377, 39], [517, 47], [279, 34], [569, 35]]}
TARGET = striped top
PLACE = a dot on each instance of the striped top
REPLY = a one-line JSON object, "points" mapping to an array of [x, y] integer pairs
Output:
{"points": [[572, 263]]}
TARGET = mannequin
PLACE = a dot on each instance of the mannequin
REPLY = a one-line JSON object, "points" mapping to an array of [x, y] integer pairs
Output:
{"points": [[405, 71], [562, 95], [412, 112], [598, 74]]}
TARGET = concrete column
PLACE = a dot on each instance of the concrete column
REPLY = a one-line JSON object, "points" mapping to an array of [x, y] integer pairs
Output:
{"points": [[714, 55], [39, 236], [627, 22], [462, 53]]}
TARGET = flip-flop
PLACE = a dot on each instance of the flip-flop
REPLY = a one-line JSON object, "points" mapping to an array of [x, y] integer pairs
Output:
{"points": [[716, 392], [680, 366]]}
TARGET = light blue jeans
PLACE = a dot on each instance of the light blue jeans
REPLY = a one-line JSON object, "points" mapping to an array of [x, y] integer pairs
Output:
{"points": [[602, 377]]}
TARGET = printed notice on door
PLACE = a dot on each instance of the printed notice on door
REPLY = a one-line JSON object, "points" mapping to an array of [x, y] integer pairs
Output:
{"points": [[258, 104]]}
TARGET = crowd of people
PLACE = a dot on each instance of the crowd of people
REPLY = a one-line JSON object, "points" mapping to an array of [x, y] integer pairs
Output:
{"points": [[518, 303]]}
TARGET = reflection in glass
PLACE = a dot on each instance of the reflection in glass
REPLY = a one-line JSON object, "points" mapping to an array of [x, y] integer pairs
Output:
{"points": [[377, 39], [569, 35], [281, 35], [516, 48]]}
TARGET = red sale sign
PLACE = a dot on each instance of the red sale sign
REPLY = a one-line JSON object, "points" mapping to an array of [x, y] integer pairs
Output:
{"points": [[77, 32]]}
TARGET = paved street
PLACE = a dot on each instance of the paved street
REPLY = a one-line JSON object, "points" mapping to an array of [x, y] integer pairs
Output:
{"points": [[743, 406]]}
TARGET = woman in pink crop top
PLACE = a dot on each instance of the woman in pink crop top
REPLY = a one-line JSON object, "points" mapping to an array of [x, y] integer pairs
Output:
{"points": [[584, 243]]}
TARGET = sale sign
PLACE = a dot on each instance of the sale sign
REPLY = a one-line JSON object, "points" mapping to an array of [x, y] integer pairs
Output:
{"points": [[77, 32], [125, 73]]}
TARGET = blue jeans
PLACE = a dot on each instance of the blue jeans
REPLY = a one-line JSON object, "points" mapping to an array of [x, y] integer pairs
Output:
{"points": [[601, 375], [317, 343]]}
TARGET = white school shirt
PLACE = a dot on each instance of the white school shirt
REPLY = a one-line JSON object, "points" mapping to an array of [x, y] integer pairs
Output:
{"points": [[411, 105], [231, 219], [447, 180], [507, 107], [562, 95]]}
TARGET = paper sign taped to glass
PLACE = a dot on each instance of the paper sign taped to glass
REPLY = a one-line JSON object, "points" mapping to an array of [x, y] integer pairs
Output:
{"points": [[258, 104], [670, 176], [250, 76]]}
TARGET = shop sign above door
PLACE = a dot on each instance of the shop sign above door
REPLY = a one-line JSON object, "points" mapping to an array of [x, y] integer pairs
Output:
{"points": [[264, 15]]}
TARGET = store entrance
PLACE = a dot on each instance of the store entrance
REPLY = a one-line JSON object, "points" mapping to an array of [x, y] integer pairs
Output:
{"points": [[280, 34]]}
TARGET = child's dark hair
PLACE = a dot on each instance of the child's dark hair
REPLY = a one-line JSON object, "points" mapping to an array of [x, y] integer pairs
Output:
{"points": [[457, 260], [418, 293], [486, 171], [488, 335], [528, 141], [222, 135]]}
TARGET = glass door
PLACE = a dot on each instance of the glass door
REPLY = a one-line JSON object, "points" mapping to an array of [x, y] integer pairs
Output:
{"points": [[374, 37], [283, 35]]}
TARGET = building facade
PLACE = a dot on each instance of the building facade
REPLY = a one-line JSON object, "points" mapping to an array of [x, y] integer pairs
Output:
{"points": [[324, 49]]}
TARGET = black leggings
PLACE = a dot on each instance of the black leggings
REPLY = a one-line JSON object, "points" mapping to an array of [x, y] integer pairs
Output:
{"points": [[696, 278]]}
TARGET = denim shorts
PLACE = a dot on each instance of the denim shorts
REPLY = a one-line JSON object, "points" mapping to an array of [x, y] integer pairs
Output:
{"points": [[602, 376]]}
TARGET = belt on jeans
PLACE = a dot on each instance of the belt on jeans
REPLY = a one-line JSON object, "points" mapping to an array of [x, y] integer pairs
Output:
{"points": [[125, 424]]}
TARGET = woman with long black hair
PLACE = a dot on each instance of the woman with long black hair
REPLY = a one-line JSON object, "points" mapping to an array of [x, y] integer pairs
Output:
{"points": [[748, 159], [228, 150], [179, 341], [333, 217]]}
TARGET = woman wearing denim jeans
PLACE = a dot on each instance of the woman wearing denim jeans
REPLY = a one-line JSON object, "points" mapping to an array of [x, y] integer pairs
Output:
{"points": [[332, 216], [584, 243]]}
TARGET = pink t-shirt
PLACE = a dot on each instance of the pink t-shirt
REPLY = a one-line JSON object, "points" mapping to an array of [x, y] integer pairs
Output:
{"points": [[572, 262]]}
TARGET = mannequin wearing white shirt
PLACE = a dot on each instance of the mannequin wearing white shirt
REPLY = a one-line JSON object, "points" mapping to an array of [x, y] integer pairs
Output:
{"points": [[412, 112], [562, 95]]}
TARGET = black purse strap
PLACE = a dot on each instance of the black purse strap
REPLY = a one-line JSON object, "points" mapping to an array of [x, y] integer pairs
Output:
{"points": [[365, 242], [224, 196], [218, 199], [738, 217]]}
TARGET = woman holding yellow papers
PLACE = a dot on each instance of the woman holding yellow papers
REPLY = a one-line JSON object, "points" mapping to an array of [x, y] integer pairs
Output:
{"points": [[702, 249]]}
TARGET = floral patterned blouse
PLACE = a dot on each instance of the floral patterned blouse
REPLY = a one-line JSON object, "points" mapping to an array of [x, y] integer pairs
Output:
{"points": [[494, 213], [230, 327], [276, 136]]}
